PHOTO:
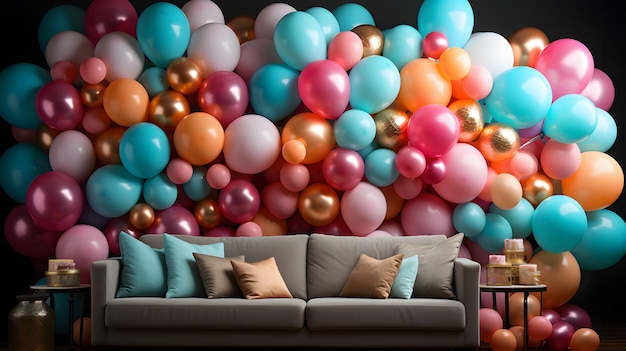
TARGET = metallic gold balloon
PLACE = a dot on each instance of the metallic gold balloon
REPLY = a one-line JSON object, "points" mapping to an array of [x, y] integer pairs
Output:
{"points": [[527, 43], [391, 125], [167, 108], [141, 215], [537, 188], [471, 119], [243, 26], [208, 213], [45, 136], [318, 204], [372, 38], [92, 94], [184, 75], [498, 141], [107, 145]]}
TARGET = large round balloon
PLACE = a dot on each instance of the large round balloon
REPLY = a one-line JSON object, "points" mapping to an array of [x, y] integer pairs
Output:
{"points": [[560, 272], [163, 33], [571, 119], [314, 131], [453, 18], [434, 129], [19, 85], [174, 220], [144, 150], [20, 164], [559, 224], [466, 174], [106, 16], [214, 47], [422, 83], [363, 208], [239, 201], [85, 244], [324, 87], [224, 95], [59, 105], [26, 237], [112, 191], [54, 201], [273, 90], [251, 144], [199, 138], [299, 39], [604, 241], [374, 84], [427, 213]]}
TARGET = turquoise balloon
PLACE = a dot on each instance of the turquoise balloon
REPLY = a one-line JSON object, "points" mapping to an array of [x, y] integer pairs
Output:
{"points": [[159, 192], [469, 218], [154, 79], [59, 19], [330, 26], [496, 230], [454, 18], [374, 84], [354, 129], [402, 44], [20, 164], [368, 149], [350, 15], [273, 91], [197, 188], [519, 217], [163, 33], [19, 85], [380, 167], [299, 39], [520, 97], [603, 136], [112, 191], [559, 224], [144, 150], [604, 242], [571, 118]]}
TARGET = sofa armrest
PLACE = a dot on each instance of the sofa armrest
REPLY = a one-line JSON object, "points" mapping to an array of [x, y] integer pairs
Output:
{"points": [[467, 288], [104, 285]]}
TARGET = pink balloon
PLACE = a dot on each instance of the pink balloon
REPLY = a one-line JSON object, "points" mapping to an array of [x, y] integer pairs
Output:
{"points": [[239, 201], [478, 83], [224, 95], [179, 171], [489, 321], [378, 233], [106, 16], [343, 168], [218, 176], [363, 208], [324, 87], [85, 244], [600, 90], [434, 129], [255, 54], [249, 229], [561, 336], [64, 70], [25, 237], [466, 174], [427, 214], [54, 201], [539, 328], [251, 144], [408, 188], [434, 44], [112, 232], [174, 220], [93, 70], [523, 164], [280, 202], [560, 160], [346, 48], [393, 227], [295, 177], [410, 161], [435, 171], [59, 105], [574, 315]]}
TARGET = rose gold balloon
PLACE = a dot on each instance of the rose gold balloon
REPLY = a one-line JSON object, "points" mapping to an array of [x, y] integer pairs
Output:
{"points": [[470, 117], [561, 273], [372, 38], [537, 188], [91, 94], [314, 131], [184, 75], [208, 213], [498, 141], [168, 108], [141, 215], [45, 136], [319, 204], [243, 26], [527, 43], [95, 120], [391, 127], [107, 145]]}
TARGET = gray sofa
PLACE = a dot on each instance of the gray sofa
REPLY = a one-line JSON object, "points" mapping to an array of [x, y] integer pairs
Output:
{"points": [[315, 268]]}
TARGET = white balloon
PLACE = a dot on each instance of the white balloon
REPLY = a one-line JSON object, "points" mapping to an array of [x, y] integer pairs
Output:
{"points": [[255, 54], [68, 46], [121, 54], [268, 17], [251, 144], [201, 12], [72, 152], [214, 47], [490, 50]]}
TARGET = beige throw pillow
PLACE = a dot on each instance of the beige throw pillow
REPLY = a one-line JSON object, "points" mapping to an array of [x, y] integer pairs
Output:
{"points": [[217, 275], [260, 280], [371, 277]]}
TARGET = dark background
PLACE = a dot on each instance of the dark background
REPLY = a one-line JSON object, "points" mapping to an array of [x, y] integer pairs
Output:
{"points": [[597, 24]]}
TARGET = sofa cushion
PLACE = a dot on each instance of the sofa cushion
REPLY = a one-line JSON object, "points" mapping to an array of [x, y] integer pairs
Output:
{"points": [[372, 277], [217, 275], [143, 269], [260, 280], [436, 262], [405, 280]]}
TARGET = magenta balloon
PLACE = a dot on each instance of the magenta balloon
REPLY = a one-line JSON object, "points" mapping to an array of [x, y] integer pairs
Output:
{"points": [[220, 231], [574, 315], [281, 203], [174, 220], [561, 336], [343, 168], [324, 87], [434, 129], [297, 224], [600, 90], [25, 237], [59, 106], [106, 16], [112, 232], [551, 314], [54, 201], [410, 161], [435, 171], [224, 95], [239, 201], [427, 213], [337, 227], [85, 244]]}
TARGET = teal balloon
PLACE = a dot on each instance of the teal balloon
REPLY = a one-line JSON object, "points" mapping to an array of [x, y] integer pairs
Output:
{"points": [[571, 118], [350, 15], [496, 230], [299, 39], [354, 129], [380, 167], [469, 218], [604, 242], [197, 188], [59, 19], [519, 217], [364, 152], [19, 85], [454, 18], [112, 191], [20, 164], [160, 192], [402, 44], [163, 33], [559, 224], [154, 79], [520, 97], [273, 91], [144, 150], [374, 84], [603, 136], [330, 26]]}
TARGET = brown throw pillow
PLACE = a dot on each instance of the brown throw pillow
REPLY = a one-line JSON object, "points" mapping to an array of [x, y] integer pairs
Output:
{"points": [[260, 280], [371, 277], [217, 275]]}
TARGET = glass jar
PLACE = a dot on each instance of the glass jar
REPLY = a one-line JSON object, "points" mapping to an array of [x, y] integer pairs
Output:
{"points": [[31, 324]]}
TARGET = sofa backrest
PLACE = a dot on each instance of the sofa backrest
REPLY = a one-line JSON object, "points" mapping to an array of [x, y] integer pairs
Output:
{"points": [[331, 258], [289, 251]]}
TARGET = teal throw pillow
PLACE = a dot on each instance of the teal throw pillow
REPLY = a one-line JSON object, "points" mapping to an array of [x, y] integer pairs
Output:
{"points": [[403, 284], [143, 269], [183, 276]]}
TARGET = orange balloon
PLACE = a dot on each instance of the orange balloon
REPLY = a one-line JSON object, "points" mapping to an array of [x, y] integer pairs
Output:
{"points": [[455, 63], [584, 339], [516, 308], [107, 145], [518, 331], [92, 95], [208, 213], [537, 188], [86, 335], [199, 138], [270, 224], [314, 131], [422, 83], [243, 26], [318, 204], [167, 109], [503, 340], [141, 215], [184, 75], [527, 43], [560, 273], [294, 151], [394, 202], [505, 191], [126, 101], [597, 183]]}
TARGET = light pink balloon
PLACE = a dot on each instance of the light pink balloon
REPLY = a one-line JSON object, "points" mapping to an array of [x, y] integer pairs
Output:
{"points": [[121, 54], [266, 20], [346, 48], [434, 129], [324, 87], [410, 161], [251, 144], [85, 244], [295, 177], [93, 70], [179, 171], [600, 90], [478, 83], [560, 160], [427, 214], [214, 47], [255, 54], [68, 46], [72, 152], [466, 174], [393, 227], [249, 229], [280, 202], [408, 188], [201, 12], [218, 176], [363, 208], [523, 164]]}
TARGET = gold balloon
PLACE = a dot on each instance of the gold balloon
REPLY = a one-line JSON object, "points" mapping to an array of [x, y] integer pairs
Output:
{"points": [[184, 75], [208, 213], [470, 116], [92, 94], [318, 204], [391, 125], [527, 43], [537, 188], [45, 136], [314, 131], [243, 26], [141, 215], [107, 145], [372, 39], [498, 141], [168, 108]]}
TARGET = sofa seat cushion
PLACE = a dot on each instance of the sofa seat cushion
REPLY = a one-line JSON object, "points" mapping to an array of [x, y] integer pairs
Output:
{"points": [[340, 313], [203, 313]]}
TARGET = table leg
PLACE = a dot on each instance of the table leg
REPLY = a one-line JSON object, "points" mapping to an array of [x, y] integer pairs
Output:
{"points": [[70, 321], [506, 310], [526, 320]]}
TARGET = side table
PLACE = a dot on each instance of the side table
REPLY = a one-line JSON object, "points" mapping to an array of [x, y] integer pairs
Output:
{"points": [[506, 289], [81, 290]]}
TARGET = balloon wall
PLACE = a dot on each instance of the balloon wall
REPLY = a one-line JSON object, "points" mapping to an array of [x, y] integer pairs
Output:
{"points": [[179, 119]]}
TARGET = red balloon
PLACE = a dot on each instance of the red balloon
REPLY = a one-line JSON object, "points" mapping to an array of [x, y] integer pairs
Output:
{"points": [[174, 220], [59, 105], [25, 237], [54, 201], [224, 95], [106, 16]]}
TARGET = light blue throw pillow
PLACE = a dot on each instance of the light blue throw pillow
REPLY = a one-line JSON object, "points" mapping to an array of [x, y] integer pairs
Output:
{"points": [[143, 269], [403, 284], [183, 276]]}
